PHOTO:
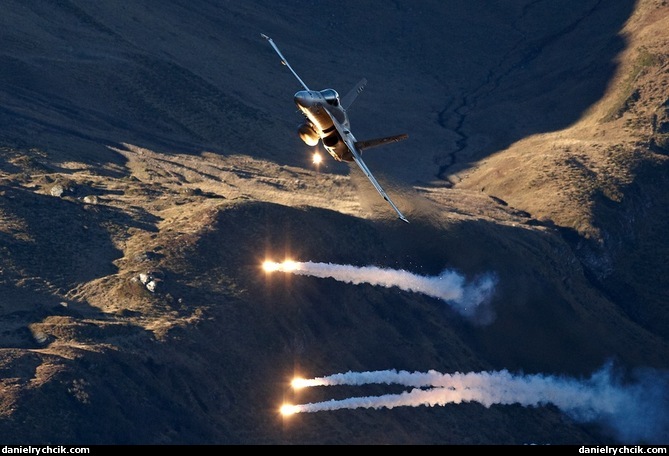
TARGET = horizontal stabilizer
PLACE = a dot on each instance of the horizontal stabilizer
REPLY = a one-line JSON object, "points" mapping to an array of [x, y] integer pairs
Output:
{"points": [[368, 144]]}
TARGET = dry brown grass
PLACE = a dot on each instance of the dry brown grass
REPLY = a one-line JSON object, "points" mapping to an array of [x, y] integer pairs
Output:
{"points": [[549, 125]]}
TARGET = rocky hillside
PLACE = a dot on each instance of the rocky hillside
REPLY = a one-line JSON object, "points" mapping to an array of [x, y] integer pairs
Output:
{"points": [[150, 164]]}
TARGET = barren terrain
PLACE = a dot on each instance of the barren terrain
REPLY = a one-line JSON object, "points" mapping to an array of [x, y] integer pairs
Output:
{"points": [[150, 163]]}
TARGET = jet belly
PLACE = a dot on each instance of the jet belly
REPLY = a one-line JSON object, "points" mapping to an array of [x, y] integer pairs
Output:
{"points": [[311, 104], [320, 115]]}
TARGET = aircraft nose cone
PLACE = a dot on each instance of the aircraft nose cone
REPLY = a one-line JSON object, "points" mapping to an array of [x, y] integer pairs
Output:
{"points": [[303, 98]]}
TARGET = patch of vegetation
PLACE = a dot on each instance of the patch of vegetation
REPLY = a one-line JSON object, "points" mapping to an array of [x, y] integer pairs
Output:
{"points": [[629, 93]]}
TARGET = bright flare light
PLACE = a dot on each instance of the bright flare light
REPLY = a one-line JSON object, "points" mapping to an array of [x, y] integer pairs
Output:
{"points": [[299, 383], [289, 409], [317, 158], [270, 266], [288, 266]]}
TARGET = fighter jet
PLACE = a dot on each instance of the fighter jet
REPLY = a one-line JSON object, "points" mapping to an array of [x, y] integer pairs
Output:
{"points": [[326, 120]]}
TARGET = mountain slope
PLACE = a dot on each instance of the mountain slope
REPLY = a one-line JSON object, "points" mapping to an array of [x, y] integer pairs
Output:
{"points": [[149, 165]]}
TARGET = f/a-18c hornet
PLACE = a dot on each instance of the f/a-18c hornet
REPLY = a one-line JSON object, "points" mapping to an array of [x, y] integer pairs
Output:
{"points": [[327, 121]]}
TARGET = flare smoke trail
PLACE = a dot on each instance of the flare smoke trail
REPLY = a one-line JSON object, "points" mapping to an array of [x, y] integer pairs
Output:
{"points": [[449, 286], [635, 412]]}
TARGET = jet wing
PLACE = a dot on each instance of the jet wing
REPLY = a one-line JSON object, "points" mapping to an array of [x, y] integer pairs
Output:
{"points": [[368, 173], [349, 140], [284, 61]]}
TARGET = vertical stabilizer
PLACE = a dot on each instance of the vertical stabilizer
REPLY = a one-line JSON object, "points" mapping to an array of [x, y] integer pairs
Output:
{"points": [[350, 97]]}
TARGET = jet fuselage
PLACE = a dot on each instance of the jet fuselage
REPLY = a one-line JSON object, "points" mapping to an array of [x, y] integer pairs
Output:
{"points": [[320, 107]]}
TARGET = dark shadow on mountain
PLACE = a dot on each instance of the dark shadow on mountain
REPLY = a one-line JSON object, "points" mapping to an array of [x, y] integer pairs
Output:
{"points": [[630, 264], [543, 305], [53, 244], [546, 308], [221, 378], [62, 241], [264, 328], [106, 396], [34, 318], [544, 82], [187, 78]]}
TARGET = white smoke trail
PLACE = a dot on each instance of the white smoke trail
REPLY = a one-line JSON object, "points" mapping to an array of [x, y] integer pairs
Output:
{"points": [[449, 286], [636, 412]]}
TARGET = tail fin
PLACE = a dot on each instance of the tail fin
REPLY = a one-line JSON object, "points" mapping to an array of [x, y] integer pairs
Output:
{"points": [[379, 141], [350, 97]]}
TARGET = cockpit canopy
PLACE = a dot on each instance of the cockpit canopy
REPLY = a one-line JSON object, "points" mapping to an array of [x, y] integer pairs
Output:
{"points": [[331, 96]]}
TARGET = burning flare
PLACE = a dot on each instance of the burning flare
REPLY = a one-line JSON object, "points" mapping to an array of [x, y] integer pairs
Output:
{"points": [[299, 383], [635, 410], [469, 298], [286, 266], [270, 266], [289, 409]]}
